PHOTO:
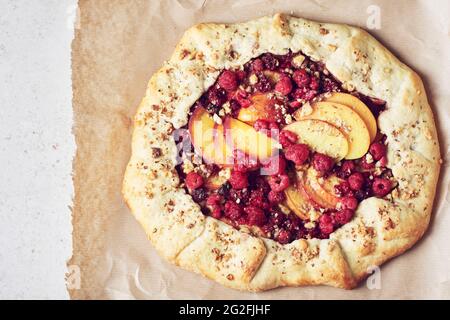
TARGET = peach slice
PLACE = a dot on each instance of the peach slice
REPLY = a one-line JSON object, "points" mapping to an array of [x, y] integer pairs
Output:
{"points": [[359, 107], [321, 137], [205, 138], [262, 107], [321, 190], [223, 150], [243, 137], [346, 120], [297, 200]]}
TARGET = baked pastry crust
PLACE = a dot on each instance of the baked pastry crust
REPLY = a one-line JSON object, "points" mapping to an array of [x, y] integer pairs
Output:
{"points": [[381, 228]]}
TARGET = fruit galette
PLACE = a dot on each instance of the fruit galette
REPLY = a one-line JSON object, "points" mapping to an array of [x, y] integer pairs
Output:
{"points": [[282, 152]]}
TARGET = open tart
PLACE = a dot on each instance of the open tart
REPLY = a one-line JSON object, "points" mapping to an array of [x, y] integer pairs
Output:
{"points": [[282, 152]]}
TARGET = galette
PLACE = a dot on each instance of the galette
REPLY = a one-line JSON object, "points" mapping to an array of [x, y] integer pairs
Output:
{"points": [[282, 152]]}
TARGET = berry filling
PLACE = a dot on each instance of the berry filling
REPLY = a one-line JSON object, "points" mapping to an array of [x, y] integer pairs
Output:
{"points": [[279, 148]]}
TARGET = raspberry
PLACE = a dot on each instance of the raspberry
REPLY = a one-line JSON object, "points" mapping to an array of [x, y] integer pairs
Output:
{"points": [[377, 150], [295, 104], [326, 224], [228, 80], [238, 180], [261, 125], [284, 86], [342, 188], [381, 187], [297, 153], [279, 183], [287, 138], [322, 162], [314, 84], [343, 216], [232, 210], [356, 181], [348, 203], [274, 166], [258, 65], [243, 162], [347, 169], [242, 98], [194, 180], [284, 236], [275, 197], [257, 199], [216, 212], [255, 216], [270, 61], [301, 78], [213, 199]]}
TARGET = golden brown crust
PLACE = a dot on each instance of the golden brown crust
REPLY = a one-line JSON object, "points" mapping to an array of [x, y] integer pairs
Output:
{"points": [[381, 229]]}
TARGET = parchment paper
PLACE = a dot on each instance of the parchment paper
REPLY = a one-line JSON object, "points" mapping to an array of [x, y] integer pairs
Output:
{"points": [[119, 44]]}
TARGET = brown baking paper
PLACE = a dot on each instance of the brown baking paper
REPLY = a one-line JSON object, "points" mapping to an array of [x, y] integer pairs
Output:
{"points": [[120, 44]]}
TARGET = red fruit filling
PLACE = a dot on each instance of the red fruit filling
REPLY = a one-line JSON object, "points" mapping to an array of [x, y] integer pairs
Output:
{"points": [[279, 183], [322, 162], [297, 153], [238, 180], [255, 191], [194, 180], [228, 80], [381, 187]]}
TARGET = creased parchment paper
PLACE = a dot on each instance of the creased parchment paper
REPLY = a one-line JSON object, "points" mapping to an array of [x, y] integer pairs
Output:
{"points": [[119, 44]]}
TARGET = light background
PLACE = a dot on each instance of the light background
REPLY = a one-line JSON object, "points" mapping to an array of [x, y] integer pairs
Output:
{"points": [[36, 147]]}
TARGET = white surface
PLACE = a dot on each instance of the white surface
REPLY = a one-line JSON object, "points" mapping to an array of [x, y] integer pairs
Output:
{"points": [[36, 147]]}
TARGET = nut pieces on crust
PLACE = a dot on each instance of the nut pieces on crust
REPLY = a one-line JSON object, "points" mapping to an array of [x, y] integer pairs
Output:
{"points": [[380, 229]]}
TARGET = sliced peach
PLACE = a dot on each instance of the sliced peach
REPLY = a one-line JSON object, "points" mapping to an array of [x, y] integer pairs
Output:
{"points": [[321, 137], [262, 107], [346, 120], [297, 200], [205, 138], [243, 137], [359, 107], [322, 192], [222, 149]]}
